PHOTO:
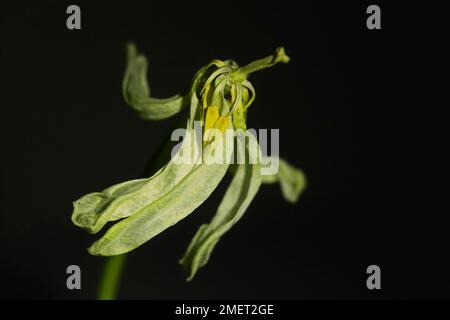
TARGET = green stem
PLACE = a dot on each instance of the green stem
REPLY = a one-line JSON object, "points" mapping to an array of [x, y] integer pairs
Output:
{"points": [[110, 279]]}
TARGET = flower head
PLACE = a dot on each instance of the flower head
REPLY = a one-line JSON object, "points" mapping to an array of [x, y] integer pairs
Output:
{"points": [[219, 97]]}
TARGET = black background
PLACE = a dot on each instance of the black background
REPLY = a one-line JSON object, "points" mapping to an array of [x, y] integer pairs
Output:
{"points": [[342, 105]]}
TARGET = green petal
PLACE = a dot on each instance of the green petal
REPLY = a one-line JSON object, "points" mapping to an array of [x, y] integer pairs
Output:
{"points": [[94, 210], [291, 179], [87, 209], [136, 91], [166, 211], [240, 193], [155, 206]]}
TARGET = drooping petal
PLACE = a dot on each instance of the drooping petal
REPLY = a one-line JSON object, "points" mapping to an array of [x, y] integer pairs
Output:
{"points": [[136, 90], [151, 219], [239, 195], [292, 180]]}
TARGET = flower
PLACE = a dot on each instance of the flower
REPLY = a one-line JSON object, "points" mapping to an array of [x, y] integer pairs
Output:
{"points": [[219, 97]]}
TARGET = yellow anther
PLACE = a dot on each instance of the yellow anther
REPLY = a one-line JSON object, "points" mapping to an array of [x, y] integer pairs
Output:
{"points": [[212, 114], [222, 123], [214, 121]]}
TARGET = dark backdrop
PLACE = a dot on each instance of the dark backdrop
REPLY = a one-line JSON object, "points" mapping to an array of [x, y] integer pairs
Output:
{"points": [[342, 106]]}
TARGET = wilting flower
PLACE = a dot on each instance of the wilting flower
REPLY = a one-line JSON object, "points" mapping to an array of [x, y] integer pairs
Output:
{"points": [[219, 98]]}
